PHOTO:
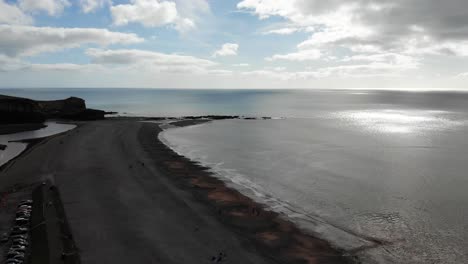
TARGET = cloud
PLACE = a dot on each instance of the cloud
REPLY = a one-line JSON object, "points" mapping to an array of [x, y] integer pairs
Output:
{"points": [[413, 30], [193, 9], [150, 13], [52, 7], [303, 55], [380, 23], [60, 67], [150, 60], [287, 75], [10, 64], [462, 75], [89, 6], [28, 40], [373, 69], [282, 31], [241, 65], [132, 61], [11, 14], [228, 49]]}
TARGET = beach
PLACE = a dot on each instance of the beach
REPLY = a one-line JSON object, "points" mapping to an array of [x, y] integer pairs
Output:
{"points": [[128, 198]]}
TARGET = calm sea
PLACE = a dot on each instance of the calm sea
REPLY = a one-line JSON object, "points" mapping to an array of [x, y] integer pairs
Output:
{"points": [[382, 173]]}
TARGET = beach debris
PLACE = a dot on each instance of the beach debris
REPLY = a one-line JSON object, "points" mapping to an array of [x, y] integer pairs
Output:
{"points": [[21, 221], [19, 234], [13, 261], [20, 242], [18, 248], [26, 202], [24, 207], [23, 214], [18, 230], [24, 237], [15, 254], [219, 258], [4, 238]]}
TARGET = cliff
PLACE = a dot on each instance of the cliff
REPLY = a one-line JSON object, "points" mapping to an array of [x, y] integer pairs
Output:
{"points": [[14, 110]]}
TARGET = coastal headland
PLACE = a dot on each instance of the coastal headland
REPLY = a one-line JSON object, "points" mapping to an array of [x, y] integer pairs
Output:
{"points": [[129, 198], [23, 114]]}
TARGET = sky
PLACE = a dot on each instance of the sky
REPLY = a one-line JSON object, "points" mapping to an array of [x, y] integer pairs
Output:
{"points": [[316, 44]]}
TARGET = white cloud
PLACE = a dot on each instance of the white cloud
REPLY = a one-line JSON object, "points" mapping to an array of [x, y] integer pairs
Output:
{"points": [[365, 48], [220, 72], [302, 55], [10, 64], [11, 14], [149, 60], [375, 69], [28, 40], [52, 7], [410, 30], [193, 9], [92, 5], [282, 31], [130, 61], [287, 75], [64, 67], [462, 75], [394, 58], [184, 24], [371, 65], [372, 25], [228, 49], [241, 65], [150, 13]]}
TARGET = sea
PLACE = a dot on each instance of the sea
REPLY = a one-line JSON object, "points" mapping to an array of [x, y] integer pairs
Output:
{"points": [[381, 174]]}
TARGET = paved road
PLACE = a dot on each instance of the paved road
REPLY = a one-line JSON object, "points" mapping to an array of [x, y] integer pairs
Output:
{"points": [[119, 210]]}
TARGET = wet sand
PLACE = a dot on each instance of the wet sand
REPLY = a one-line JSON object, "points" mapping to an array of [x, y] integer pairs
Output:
{"points": [[130, 199], [16, 128]]}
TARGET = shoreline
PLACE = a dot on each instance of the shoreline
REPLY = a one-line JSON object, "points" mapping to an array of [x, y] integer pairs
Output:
{"points": [[31, 142], [17, 128], [275, 236], [198, 208]]}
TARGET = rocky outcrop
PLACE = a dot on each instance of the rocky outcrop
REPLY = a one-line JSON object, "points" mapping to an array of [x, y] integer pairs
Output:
{"points": [[15, 110], [58, 108], [85, 115], [73, 108]]}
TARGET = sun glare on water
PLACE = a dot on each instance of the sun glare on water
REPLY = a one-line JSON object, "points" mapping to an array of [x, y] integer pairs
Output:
{"points": [[400, 121]]}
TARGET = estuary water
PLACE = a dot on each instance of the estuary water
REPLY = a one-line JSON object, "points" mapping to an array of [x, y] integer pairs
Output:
{"points": [[14, 148], [383, 174]]}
